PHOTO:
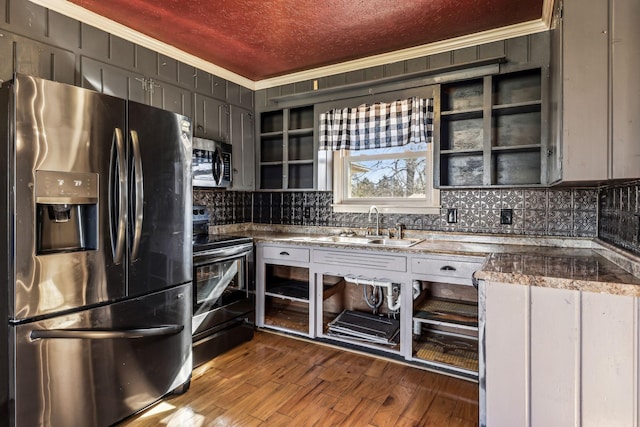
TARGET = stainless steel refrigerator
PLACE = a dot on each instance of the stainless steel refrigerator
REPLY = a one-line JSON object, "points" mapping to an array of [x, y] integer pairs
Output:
{"points": [[95, 255]]}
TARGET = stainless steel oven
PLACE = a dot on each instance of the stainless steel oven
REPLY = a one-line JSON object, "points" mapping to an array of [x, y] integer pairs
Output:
{"points": [[223, 296]]}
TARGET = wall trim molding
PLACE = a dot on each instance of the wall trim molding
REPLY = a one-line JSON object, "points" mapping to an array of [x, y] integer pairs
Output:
{"points": [[476, 39], [74, 11]]}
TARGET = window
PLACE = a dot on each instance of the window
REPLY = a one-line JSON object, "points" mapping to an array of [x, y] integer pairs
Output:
{"points": [[395, 179], [382, 155]]}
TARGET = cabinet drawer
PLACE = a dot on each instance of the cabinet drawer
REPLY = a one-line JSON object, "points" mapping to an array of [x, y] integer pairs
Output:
{"points": [[443, 268], [287, 253], [361, 260]]}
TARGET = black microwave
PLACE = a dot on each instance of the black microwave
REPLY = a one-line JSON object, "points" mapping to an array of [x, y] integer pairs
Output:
{"points": [[211, 163]]}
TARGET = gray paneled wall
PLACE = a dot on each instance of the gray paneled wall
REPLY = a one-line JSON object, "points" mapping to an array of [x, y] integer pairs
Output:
{"points": [[43, 43]]}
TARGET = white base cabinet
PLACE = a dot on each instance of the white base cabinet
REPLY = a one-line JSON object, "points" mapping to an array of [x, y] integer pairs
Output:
{"points": [[555, 357], [421, 308], [284, 289]]}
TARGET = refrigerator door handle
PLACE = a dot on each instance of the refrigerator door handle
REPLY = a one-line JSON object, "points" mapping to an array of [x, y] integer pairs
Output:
{"points": [[139, 195], [101, 334], [119, 166]]}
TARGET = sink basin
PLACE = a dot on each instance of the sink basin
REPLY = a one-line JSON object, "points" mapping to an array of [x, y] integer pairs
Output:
{"points": [[303, 239], [405, 243], [355, 240]]}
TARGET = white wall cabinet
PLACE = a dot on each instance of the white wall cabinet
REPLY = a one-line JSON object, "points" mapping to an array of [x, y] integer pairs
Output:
{"points": [[556, 357], [596, 61]]}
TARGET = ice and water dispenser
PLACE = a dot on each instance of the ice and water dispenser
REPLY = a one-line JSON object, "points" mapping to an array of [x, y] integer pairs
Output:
{"points": [[66, 211]]}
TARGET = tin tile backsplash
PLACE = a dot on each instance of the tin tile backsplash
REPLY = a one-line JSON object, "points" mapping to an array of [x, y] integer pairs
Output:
{"points": [[611, 213], [225, 207], [566, 212], [620, 215]]}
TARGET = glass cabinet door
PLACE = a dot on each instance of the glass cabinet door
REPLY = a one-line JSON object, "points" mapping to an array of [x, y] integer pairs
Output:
{"points": [[287, 149]]}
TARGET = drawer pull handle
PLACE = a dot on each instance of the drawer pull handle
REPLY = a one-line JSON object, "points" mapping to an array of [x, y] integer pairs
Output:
{"points": [[447, 268], [283, 253]]}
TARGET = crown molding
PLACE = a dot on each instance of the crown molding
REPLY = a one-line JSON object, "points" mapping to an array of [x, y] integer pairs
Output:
{"points": [[483, 37], [74, 11], [547, 12]]}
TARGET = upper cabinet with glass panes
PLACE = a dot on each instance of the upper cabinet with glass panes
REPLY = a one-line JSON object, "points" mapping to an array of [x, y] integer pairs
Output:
{"points": [[287, 152], [491, 131]]}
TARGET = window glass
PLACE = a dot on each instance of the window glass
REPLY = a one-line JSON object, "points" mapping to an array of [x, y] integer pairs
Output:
{"points": [[397, 179]]}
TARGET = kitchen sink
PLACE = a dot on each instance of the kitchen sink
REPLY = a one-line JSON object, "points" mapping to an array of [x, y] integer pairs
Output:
{"points": [[395, 242], [356, 240], [352, 240]]}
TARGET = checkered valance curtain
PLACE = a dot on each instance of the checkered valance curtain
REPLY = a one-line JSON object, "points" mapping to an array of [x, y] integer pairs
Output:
{"points": [[377, 126]]}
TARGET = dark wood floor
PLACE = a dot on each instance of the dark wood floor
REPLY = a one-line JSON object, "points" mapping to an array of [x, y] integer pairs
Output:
{"points": [[276, 380]]}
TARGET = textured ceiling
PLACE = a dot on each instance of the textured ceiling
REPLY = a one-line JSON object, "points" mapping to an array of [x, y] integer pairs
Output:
{"points": [[260, 39]]}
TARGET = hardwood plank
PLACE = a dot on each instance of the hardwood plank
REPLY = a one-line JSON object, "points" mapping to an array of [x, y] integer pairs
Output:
{"points": [[277, 420], [347, 403], [393, 406], [461, 422], [420, 404], [331, 418], [376, 368], [370, 388], [228, 397], [406, 422], [277, 380], [363, 413], [439, 412], [297, 403]]}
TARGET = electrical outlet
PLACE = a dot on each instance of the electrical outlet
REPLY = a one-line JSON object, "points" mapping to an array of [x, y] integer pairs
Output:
{"points": [[506, 216], [452, 215]]}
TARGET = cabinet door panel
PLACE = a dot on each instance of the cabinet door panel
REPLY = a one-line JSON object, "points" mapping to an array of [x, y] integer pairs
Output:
{"points": [[626, 89], [507, 364], [242, 139], [41, 60], [26, 18], [64, 30], [112, 80], [211, 118], [609, 328], [555, 356], [171, 98], [585, 69], [6, 52]]}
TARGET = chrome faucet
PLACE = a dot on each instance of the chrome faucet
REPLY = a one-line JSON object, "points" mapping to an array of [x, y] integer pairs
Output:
{"points": [[371, 209]]}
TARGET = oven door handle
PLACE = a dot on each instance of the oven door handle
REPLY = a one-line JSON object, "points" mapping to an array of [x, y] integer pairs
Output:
{"points": [[212, 260], [215, 255]]}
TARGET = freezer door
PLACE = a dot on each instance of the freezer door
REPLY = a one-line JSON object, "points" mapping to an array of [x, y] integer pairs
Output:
{"points": [[95, 367], [63, 177], [160, 253]]}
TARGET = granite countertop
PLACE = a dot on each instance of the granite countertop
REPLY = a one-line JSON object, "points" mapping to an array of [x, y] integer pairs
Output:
{"points": [[573, 269], [576, 264]]}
